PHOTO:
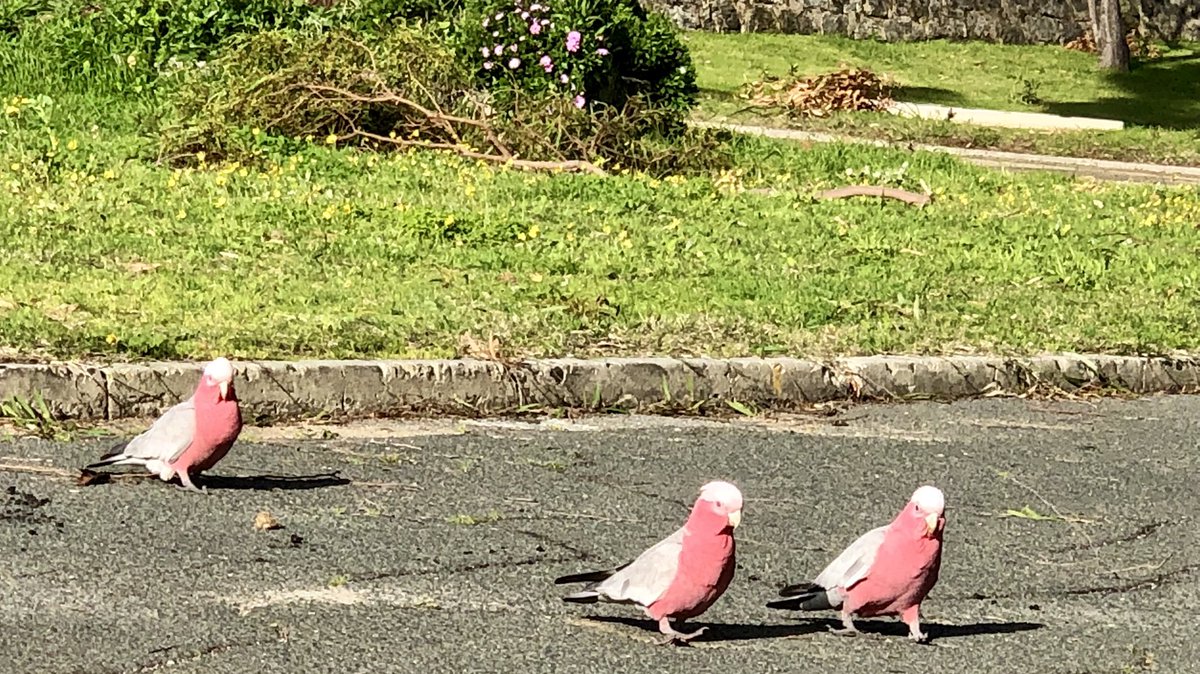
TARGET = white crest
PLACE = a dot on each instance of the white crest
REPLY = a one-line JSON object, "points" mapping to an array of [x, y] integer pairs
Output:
{"points": [[929, 499], [220, 370], [723, 492]]}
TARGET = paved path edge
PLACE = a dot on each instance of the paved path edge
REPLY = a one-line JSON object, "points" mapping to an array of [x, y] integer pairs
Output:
{"points": [[1101, 169], [282, 390]]}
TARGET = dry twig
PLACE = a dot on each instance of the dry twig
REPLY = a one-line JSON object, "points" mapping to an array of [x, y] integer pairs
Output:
{"points": [[500, 154], [875, 191]]}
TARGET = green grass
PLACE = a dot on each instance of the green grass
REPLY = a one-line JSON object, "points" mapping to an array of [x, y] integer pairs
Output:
{"points": [[333, 253], [336, 253], [1159, 100]]}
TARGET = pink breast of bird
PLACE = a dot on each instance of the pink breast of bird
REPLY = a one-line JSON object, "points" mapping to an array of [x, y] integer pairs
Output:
{"points": [[218, 423], [706, 566], [906, 568]]}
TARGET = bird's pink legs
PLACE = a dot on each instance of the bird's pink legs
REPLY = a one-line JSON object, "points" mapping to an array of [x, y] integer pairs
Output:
{"points": [[664, 626], [912, 617], [185, 479], [848, 628]]}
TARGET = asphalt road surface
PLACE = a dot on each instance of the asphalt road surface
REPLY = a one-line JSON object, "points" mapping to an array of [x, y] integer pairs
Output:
{"points": [[431, 546]]}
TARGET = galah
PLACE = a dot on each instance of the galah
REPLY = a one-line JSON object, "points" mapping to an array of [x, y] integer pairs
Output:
{"points": [[681, 576], [192, 436], [887, 571]]}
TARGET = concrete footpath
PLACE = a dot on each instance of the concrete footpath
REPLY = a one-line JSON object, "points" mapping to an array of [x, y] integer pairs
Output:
{"points": [[1071, 545], [1103, 169], [278, 390]]}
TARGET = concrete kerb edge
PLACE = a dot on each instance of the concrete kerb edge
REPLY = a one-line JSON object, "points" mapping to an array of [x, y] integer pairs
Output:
{"points": [[283, 390]]}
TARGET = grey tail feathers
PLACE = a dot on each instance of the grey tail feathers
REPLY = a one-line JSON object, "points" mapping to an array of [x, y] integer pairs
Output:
{"points": [[113, 455], [583, 597], [588, 577], [802, 597], [588, 594]]}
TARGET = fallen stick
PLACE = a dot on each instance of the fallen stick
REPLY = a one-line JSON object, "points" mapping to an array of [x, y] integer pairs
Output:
{"points": [[568, 165], [36, 470], [875, 191]]}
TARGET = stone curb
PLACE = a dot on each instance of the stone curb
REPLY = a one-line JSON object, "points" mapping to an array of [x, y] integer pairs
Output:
{"points": [[1102, 169], [277, 390]]}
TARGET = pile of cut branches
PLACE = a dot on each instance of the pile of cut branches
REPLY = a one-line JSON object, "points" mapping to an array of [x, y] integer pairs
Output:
{"points": [[406, 91], [1138, 46], [845, 89]]}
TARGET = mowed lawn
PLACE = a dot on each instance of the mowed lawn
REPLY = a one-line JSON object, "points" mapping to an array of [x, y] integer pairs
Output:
{"points": [[336, 253], [1159, 100]]}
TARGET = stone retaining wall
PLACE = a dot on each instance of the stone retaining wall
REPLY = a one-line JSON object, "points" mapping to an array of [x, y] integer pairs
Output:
{"points": [[1009, 21]]}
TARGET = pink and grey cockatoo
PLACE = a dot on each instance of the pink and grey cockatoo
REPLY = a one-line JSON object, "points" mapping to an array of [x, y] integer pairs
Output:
{"points": [[681, 576], [192, 436], [887, 571]]}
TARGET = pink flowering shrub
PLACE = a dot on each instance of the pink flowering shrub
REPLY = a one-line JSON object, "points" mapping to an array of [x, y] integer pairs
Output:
{"points": [[586, 51]]}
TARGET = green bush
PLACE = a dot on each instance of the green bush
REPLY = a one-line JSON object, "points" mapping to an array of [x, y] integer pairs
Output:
{"points": [[16, 13], [607, 52], [590, 51], [147, 37]]}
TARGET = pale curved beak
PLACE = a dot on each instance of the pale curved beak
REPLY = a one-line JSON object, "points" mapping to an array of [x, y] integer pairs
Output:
{"points": [[931, 523], [224, 386], [735, 518]]}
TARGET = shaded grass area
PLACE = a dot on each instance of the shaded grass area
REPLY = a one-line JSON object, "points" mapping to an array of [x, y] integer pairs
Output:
{"points": [[1159, 100], [333, 253]]}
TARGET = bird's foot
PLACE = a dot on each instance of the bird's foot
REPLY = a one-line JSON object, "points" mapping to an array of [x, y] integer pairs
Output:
{"points": [[681, 637], [918, 637], [848, 629], [670, 635], [186, 483]]}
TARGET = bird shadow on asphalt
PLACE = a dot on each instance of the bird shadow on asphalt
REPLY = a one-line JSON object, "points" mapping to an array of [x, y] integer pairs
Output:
{"points": [[718, 632], [230, 482], [273, 482], [888, 628]]}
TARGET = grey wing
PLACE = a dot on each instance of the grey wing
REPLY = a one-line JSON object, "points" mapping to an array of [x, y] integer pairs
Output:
{"points": [[853, 564], [167, 437], [646, 578]]}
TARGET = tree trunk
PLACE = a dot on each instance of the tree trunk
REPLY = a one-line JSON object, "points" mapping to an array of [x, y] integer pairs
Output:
{"points": [[1109, 31]]}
